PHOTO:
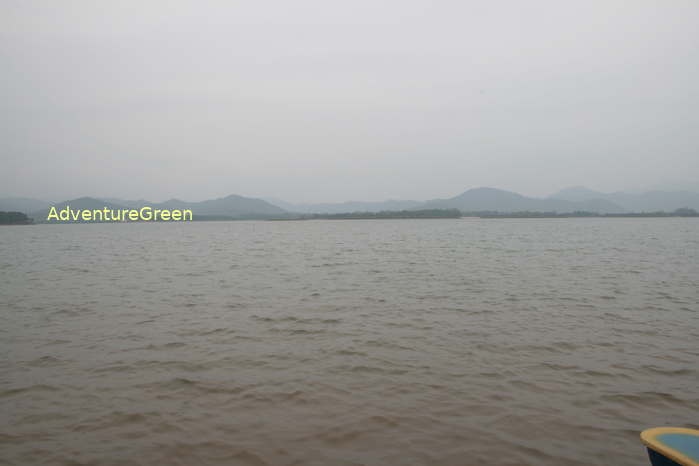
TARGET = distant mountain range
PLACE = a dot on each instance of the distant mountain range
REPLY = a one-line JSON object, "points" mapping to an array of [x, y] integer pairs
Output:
{"points": [[347, 206], [233, 206], [473, 200], [650, 201], [22, 204], [498, 200]]}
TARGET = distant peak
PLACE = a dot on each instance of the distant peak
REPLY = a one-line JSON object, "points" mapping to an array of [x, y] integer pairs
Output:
{"points": [[577, 193], [577, 189], [488, 191]]}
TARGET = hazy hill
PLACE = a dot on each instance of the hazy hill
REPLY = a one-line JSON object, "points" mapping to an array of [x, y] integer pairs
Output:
{"points": [[578, 193], [491, 199], [233, 206], [650, 201], [22, 204], [230, 206], [348, 206], [127, 202]]}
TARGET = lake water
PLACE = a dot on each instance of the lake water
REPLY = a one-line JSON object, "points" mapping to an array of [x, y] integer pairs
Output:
{"points": [[398, 342]]}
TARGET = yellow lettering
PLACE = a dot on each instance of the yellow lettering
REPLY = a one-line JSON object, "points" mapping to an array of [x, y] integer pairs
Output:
{"points": [[52, 214], [148, 211]]}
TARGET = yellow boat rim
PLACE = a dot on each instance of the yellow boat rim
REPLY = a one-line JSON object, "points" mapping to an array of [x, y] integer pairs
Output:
{"points": [[650, 437]]}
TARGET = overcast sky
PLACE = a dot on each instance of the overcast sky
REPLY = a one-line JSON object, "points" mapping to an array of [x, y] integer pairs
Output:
{"points": [[330, 101]]}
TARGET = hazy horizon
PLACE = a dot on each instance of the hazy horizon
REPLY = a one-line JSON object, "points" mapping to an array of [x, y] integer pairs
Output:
{"points": [[319, 102], [273, 200]]}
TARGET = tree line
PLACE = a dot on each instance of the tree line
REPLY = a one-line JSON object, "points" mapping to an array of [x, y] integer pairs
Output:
{"points": [[14, 218]]}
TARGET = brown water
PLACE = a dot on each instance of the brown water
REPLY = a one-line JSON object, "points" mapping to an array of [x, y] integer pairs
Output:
{"points": [[427, 342]]}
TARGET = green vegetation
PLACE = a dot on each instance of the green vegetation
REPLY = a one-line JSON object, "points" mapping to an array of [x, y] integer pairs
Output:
{"points": [[388, 214], [683, 212], [14, 218], [686, 212], [530, 214]]}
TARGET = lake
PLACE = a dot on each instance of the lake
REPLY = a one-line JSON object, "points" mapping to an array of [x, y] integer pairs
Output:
{"points": [[357, 342]]}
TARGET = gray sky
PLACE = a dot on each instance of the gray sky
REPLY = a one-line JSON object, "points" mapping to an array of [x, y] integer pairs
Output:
{"points": [[330, 101]]}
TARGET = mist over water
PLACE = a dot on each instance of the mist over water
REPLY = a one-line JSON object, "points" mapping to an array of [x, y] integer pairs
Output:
{"points": [[404, 342]]}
